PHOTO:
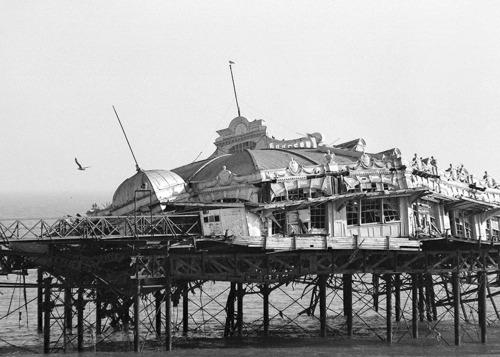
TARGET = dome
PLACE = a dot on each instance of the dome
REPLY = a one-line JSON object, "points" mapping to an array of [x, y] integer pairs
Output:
{"points": [[164, 185]]}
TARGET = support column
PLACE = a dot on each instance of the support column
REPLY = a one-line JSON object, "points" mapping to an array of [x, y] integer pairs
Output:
{"points": [[322, 304], [397, 297], [47, 307], [347, 282], [168, 307], [421, 299], [375, 281], [98, 312], [239, 316], [388, 291], [79, 313], [456, 305], [68, 311], [432, 296], [481, 296], [229, 328], [265, 298], [39, 300], [414, 305], [185, 310], [158, 313], [137, 300]]}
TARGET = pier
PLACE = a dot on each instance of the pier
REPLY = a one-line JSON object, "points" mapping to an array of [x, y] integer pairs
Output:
{"points": [[152, 279]]}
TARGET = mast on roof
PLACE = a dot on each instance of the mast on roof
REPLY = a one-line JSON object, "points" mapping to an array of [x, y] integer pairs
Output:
{"points": [[128, 143], [234, 87]]}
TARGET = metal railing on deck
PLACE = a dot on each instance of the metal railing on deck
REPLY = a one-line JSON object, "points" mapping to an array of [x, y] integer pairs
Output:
{"points": [[99, 227]]}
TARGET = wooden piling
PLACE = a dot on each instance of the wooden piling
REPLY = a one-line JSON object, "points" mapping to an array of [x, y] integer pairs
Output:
{"points": [[456, 305], [47, 307], [265, 298], [481, 296], [79, 316], [388, 291], [185, 310], [322, 304], [347, 282], [414, 305]]}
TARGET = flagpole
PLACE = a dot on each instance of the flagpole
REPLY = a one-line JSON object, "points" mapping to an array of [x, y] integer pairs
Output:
{"points": [[234, 87]]}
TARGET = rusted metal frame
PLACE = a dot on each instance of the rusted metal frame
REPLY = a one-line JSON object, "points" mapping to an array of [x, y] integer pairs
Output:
{"points": [[148, 318], [228, 266], [200, 307], [366, 307], [282, 314]]}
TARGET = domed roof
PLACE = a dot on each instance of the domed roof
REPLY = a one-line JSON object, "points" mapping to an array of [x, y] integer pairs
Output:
{"points": [[253, 161], [165, 185]]}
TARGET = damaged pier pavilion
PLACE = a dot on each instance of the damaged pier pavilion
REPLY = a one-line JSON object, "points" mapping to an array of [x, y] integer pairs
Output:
{"points": [[365, 237]]}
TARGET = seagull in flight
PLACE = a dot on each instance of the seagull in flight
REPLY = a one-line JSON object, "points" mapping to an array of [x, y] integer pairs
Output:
{"points": [[80, 167]]}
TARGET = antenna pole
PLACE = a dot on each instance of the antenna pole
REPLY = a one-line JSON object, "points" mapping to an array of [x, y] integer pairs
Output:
{"points": [[234, 87], [128, 143]]}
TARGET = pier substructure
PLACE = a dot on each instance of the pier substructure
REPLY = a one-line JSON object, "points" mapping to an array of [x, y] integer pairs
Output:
{"points": [[338, 292]]}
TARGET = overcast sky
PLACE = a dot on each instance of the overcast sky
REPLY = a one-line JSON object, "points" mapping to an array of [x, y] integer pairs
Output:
{"points": [[423, 76]]}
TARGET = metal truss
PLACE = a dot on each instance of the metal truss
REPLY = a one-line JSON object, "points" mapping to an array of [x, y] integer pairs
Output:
{"points": [[99, 227]]}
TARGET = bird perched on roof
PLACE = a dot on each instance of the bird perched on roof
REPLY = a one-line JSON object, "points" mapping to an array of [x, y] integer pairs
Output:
{"points": [[80, 167]]}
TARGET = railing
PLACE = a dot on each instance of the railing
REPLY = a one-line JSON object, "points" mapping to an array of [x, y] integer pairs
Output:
{"points": [[98, 227]]}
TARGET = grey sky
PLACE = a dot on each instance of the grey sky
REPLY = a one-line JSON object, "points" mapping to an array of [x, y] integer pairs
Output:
{"points": [[423, 76]]}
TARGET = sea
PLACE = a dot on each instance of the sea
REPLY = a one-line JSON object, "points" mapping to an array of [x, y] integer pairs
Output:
{"points": [[292, 333]]}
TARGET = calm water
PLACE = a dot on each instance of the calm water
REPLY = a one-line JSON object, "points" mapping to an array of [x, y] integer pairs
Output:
{"points": [[290, 338]]}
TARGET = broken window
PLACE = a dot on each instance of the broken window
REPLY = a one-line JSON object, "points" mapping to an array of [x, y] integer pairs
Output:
{"points": [[391, 209], [318, 216], [370, 211]]}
